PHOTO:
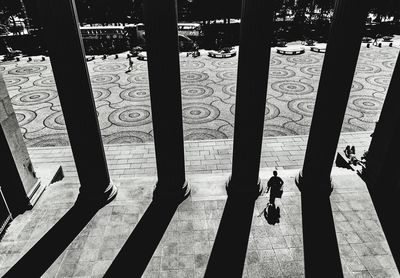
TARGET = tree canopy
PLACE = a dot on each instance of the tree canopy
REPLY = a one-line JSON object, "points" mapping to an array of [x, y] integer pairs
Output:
{"points": [[212, 9], [106, 11], [9, 8]]}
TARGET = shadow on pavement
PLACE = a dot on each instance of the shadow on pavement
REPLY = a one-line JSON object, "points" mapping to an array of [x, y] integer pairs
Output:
{"points": [[321, 250], [137, 251], [43, 254], [385, 198], [230, 246]]}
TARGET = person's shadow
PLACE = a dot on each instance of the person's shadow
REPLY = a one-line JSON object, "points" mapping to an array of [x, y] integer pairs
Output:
{"points": [[272, 214]]}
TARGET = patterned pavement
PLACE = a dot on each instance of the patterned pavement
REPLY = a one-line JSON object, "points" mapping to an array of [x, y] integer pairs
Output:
{"points": [[208, 96]]}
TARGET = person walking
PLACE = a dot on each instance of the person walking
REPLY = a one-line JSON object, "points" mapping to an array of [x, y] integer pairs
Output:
{"points": [[275, 185], [130, 64], [377, 36]]}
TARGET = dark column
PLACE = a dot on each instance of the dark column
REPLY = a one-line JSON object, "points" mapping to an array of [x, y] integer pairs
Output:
{"points": [[382, 167], [165, 93], [321, 252], [68, 61], [18, 179], [13, 189], [251, 92]]}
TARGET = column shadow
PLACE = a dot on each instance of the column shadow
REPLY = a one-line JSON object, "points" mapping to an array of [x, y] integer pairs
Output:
{"points": [[43, 254], [229, 251], [321, 250], [139, 248], [385, 201]]}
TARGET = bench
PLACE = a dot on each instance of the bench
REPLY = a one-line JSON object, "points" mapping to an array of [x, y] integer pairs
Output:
{"points": [[387, 38], [366, 39], [11, 54], [11, 51], [309, 42], [281, 43], [318, 48], [383, 42], [290, 50], [142, 56], [222, 54]]}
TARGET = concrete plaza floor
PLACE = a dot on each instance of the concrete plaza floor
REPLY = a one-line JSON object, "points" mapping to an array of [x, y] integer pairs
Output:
{"points": [[185, 246], [208, 96]]}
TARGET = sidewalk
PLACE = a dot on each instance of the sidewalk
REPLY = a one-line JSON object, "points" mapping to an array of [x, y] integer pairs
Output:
{"points": [[187, 241], [204, 157]]}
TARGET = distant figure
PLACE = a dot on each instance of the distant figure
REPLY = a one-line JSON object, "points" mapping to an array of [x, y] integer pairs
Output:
{"points": [[219, 41], [275, 184], [130, 64], [350, 153], [363, 158], [376, 39], [347, 151], [196, 53]]}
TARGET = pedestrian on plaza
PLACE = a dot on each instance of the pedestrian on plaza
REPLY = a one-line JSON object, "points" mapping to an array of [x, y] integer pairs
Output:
{"points": [[275, 183], [130, 64], [377, 36], [347, 151], [350, 153]]}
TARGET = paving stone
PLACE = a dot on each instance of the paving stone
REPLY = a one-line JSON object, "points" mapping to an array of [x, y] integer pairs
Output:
{"points": [[154, 264], [283, 255], [83, 269], [89, 255], [201, 260], [353, 263], [294, 241], [100, 267], [278, 242], [186, 245], [292, 268], [370, 262], [362, 274]]}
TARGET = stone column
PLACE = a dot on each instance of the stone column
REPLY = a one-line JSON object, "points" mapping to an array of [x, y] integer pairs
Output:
{"points": [[321, 252], [19, 182], [382, 166], [254, 54], [385, 146], [70, 71], [165, 94]]}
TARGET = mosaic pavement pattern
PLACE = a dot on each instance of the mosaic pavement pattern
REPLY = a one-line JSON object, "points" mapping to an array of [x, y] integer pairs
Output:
{"points": [[208, 96]]}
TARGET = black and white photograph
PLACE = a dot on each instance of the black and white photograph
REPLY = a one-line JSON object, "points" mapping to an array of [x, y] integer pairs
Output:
{"points": [[199, 138]]}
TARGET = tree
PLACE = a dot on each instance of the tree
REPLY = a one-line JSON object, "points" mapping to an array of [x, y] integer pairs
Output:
{"points": [[386, 8], [104, 11], [211, 9], [325, 6], [9, 8]]}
